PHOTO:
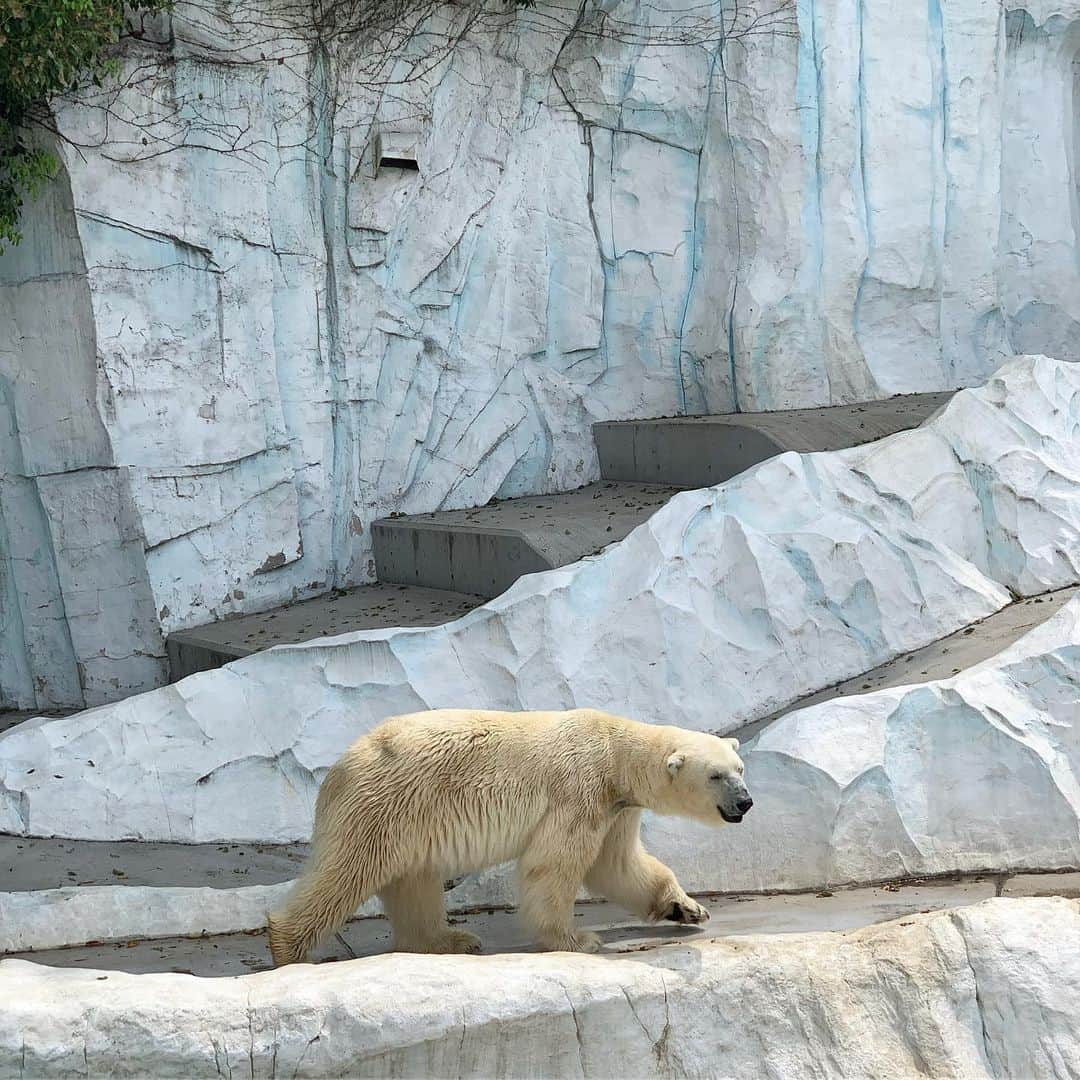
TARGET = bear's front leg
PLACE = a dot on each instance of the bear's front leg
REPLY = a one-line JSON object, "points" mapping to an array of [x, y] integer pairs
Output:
{"points": [[627, 875], [550, 873]]}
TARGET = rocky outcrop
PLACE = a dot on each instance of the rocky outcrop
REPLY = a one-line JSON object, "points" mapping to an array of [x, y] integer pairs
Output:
{"points": [[987, 990], [980, 772]]}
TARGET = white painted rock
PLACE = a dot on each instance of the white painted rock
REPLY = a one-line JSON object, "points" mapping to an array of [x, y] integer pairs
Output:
{"points": [[977, 772], [730, 602], [987, 990], [55, 918], [36, 919]]}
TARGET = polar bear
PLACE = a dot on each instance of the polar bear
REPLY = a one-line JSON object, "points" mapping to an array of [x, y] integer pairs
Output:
{"points": [[432, 795]]}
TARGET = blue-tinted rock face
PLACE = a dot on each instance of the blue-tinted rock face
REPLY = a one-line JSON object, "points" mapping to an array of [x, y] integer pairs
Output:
{"points": [[240, 338]]}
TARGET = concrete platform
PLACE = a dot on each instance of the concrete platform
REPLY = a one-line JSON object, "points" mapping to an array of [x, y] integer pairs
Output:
{"points": [[699, 451], [1067, 885], [486, 549], [369, 607], [501, 931]]}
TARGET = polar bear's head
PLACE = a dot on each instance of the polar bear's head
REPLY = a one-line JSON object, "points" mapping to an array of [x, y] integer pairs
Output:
{"points": [[706, 779]]}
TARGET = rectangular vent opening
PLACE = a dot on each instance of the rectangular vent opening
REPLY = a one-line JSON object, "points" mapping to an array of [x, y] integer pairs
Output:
{"points": [[398, 163]]}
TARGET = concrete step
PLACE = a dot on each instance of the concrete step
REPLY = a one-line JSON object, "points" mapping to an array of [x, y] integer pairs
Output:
{"points": [[435, 567], [368, 607], [486, 549], [699, 451]]}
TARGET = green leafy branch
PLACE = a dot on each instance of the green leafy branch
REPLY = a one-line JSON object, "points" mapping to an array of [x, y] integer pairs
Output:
{"points": [[48, 47]]}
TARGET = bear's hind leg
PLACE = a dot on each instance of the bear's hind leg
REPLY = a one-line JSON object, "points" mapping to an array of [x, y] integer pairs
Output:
{"points": [[414, 905], [321, 901]]}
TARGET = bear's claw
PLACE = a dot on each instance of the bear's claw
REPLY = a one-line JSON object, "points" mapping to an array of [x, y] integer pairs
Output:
{"points": [[687, 912]]}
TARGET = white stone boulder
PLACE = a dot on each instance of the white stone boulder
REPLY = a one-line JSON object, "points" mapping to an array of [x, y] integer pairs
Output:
{"points": [[730, 602], [987, 990], [57, 918], [979, 772]]}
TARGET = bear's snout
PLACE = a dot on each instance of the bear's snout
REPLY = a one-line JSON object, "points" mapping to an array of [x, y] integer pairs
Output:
{"points": [[736, 803]]}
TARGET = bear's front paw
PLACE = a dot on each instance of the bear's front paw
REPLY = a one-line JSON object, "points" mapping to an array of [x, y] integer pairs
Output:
{"points": [[685, 911]]}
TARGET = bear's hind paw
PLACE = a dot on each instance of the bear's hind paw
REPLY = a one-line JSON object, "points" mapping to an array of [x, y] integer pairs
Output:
{"points": [[453, 941], [584, 941]]}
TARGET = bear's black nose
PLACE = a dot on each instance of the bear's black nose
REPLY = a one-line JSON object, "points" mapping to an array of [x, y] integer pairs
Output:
{"points": [[744, 804]]}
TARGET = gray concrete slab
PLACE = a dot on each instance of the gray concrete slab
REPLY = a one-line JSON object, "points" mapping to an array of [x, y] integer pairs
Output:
{"points": [[486, 549], [34, 863], [699, 451], [941, 659], [501, 931], [369, 607], [11, 718], [1067, 885]]}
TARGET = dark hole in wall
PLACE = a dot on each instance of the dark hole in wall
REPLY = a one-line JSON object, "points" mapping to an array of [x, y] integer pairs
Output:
{"points": [[398, 163]]}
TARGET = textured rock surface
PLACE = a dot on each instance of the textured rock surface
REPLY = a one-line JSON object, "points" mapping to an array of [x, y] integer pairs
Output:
{"points": [[987, 990], [891, 784], [977, 772], [729, 602], [877, 201]]}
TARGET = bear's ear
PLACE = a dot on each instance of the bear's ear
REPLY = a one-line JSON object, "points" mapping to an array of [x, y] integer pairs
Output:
{"points": [[734, 744], [675, 763]]}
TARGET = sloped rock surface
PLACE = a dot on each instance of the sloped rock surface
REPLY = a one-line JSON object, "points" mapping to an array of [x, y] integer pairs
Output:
{"points": [[987, 990], [726, 604]]}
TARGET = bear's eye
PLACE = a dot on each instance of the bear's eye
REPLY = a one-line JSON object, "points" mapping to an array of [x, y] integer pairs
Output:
{"points": [[714, 776]]}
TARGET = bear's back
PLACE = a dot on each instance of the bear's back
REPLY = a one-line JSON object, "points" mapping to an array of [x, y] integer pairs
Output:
{"points": [[467, 786]]}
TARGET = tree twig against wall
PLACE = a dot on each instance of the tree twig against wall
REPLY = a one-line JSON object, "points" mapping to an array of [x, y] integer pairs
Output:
{"points": [[382, 47]]}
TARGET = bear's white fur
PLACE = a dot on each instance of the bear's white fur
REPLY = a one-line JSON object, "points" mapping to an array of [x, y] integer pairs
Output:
{"points": [[433, 795]]}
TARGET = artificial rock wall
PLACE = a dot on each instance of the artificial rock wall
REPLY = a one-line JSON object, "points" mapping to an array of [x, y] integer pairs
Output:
{"points": [[230, 341]]}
